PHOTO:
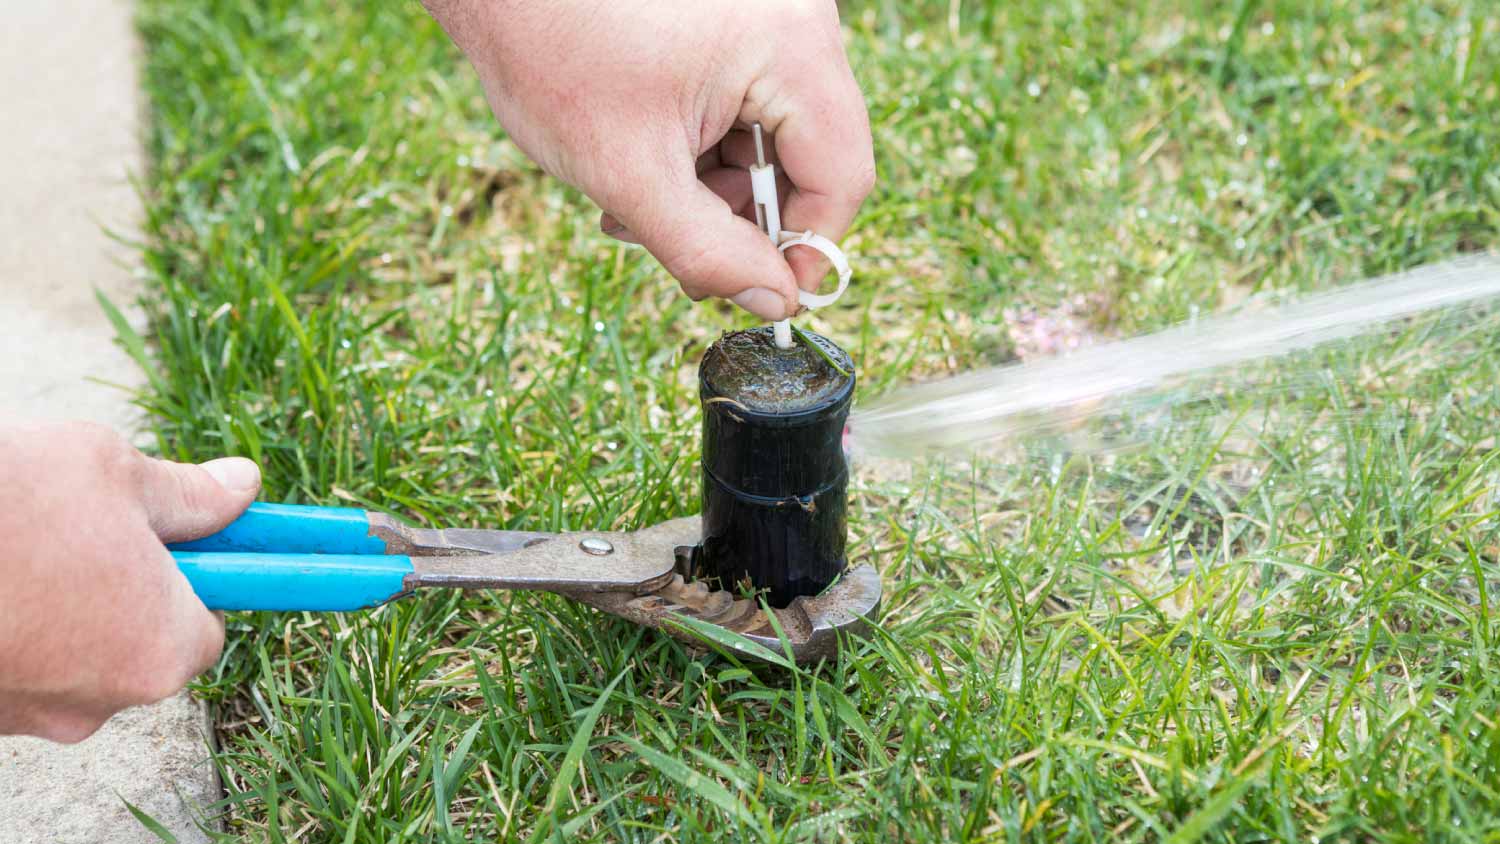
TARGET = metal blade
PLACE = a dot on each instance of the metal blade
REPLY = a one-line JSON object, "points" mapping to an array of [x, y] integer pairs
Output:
{"points": [[401, 538], [627, 563]]}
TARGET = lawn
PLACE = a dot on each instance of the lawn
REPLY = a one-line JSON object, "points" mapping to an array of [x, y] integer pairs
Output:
{"points": [[355, 279]]}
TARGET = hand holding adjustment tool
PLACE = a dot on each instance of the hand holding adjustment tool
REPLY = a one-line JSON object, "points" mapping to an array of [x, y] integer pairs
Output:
{"points": [[294, 557], [768, 217]]}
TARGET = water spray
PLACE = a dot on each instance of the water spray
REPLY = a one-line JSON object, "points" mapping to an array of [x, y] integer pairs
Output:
{"points": [[1054, 395]]}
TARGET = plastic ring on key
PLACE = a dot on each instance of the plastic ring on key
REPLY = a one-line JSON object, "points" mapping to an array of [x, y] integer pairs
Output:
{"points": [[833, 253]]}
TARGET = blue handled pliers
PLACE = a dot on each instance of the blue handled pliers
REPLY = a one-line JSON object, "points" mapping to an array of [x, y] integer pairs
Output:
{"points": [[296, 557]]}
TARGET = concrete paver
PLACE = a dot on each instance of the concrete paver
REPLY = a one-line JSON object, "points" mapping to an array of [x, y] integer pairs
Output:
{"points": [[70, 96], [153, 756]]}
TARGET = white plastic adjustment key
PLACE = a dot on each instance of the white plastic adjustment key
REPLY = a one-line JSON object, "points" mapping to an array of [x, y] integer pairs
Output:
{"points": [[833, 253], [763, 191], [768, 217]]}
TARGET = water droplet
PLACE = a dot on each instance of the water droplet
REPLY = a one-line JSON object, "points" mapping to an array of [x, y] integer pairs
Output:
{"points": [[598, 328]]}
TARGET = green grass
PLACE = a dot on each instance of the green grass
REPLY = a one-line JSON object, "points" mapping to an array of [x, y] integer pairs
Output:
{"points": [[356, 280]]}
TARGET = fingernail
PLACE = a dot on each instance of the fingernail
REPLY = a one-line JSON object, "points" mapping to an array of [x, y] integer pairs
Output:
{"points": [[235, 474], [623, 235], [761, 301]]}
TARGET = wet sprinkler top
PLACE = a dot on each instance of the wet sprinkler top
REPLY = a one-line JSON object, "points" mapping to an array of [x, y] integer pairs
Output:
{"points": [[747, 367]]}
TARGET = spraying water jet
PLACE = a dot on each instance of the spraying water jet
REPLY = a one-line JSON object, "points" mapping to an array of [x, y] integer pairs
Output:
{"points": [[1053, 395]]}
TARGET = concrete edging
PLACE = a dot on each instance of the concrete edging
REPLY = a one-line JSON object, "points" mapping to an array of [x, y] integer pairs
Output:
{"points": [[69, 90]]}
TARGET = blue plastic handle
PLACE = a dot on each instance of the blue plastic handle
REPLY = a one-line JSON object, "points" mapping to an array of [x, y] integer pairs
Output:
{"points": [[293, 529], [315, 582]]}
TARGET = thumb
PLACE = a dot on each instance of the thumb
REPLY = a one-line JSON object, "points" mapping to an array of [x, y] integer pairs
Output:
{"points": [[184, 501], [709, 249]]}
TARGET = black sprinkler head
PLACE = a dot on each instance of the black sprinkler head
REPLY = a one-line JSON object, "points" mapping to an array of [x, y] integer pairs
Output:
{"points": [[774, 474]]}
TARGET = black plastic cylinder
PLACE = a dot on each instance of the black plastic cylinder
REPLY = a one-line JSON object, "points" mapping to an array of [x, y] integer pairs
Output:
{"points": [[774, 473]]}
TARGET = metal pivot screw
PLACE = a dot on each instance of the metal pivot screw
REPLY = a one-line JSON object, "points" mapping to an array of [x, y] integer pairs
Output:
{"points": [[596, 546]]}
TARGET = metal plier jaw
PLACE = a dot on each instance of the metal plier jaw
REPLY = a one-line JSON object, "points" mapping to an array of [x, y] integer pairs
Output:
{"points": [[290, 557]]}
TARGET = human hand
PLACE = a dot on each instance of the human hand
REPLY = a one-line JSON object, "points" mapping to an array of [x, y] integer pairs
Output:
{"points": [[644, 105], [94, 615]]}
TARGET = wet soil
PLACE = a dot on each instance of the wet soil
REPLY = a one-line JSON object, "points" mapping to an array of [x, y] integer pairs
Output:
{"points": [[746, 367]]}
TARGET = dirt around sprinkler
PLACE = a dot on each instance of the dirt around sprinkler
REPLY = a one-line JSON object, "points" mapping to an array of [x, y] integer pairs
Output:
{"points": [[748, 368]]}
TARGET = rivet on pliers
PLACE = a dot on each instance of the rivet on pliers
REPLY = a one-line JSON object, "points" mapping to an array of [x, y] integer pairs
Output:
{"points": [[596, 546]]}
